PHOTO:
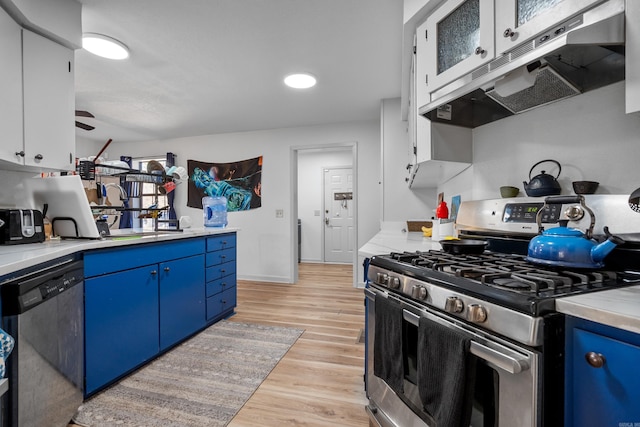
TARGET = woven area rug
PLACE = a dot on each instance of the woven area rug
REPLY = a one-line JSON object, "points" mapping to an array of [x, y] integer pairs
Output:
{"points": [[202, 382]]}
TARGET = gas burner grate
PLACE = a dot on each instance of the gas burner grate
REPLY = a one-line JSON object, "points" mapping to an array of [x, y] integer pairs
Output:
{"points": [[509, 272]]}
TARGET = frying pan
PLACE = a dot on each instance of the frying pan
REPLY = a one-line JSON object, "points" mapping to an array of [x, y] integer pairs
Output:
{"points": [[463, 246]]}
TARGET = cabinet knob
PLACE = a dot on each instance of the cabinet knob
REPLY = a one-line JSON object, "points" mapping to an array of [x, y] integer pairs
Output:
{"points": [[480, 51], [38, 157], [594, 359], [20, 153], [167, 269], [508, 33]]}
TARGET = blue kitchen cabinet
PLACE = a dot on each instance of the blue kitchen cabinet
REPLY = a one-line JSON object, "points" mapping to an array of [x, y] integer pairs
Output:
{"points": [[121, 324], [220, 276], [182, 305], [140, 301], [602, 379]]}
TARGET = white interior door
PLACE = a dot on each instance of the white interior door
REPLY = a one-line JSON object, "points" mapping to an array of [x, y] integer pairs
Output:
{"points": [[339, 233]]}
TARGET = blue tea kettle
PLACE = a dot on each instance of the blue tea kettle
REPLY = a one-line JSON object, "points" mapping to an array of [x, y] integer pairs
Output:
{"points": [[569, 247]]}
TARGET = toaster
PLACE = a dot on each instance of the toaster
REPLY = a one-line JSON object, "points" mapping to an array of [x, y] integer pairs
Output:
{"points": [[21, 226]]}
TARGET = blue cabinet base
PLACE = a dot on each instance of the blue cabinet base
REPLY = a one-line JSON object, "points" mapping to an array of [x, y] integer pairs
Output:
{"points": [[142, 301]]}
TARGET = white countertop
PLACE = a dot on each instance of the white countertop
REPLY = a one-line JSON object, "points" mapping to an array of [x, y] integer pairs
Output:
{"points": [[392, 238], [17, 257], [618, 308]]}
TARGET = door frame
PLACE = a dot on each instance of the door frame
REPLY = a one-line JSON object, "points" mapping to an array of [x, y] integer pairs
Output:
{"points": [[293, 208]]}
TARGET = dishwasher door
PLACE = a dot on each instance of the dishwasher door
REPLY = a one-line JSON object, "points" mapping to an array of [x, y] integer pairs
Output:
{"points": [[46, 369]]}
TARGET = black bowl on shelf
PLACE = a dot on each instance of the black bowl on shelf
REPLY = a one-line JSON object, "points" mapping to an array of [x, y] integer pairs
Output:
{"points": [[585, 187]]}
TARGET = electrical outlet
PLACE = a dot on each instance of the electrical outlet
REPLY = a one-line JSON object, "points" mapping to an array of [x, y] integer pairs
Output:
{"points": [[279, 213]]}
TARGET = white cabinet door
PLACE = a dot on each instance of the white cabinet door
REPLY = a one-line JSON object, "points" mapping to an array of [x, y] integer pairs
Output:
{"points": [[49, 132], [459, 39], [10, 90], [517, 21]]}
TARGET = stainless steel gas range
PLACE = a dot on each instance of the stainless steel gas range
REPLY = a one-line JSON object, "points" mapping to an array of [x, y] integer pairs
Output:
{"points": [[474, 339]]}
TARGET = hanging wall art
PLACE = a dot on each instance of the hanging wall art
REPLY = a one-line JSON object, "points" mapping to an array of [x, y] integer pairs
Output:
{"points": [[240, 182]]}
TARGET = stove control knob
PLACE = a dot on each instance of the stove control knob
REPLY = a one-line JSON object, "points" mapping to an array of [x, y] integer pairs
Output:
{"points": [[382, 278], [453, 305], [418, 292], [574, 213], [476, 313], [393, 282]]}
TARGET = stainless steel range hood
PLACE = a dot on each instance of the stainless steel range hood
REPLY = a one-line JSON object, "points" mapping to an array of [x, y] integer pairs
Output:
{"points": [[581, 54]]}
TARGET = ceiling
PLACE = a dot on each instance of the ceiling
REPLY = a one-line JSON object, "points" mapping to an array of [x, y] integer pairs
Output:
{"points": [[216, 66]]}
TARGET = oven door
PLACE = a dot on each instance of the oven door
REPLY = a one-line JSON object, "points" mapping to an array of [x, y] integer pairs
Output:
{"points": [[507, 376]]}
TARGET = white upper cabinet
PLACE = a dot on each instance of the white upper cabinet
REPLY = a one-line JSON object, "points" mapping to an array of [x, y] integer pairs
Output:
{"points": [[49, 102], [632, 59], [459, 38], [517, 21], [11, 90]]}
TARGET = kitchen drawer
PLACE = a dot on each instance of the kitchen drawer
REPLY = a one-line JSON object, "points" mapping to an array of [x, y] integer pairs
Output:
{"points": [[219, 285], [111, 260], [221, 303], [222, 241], [221, 256], [220, 271]]}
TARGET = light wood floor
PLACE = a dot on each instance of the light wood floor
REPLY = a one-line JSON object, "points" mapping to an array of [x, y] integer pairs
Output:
{"points": [[319, 382]]}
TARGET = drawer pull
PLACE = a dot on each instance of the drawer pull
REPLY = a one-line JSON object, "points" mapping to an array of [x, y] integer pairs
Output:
{"points": [[595, 360]]}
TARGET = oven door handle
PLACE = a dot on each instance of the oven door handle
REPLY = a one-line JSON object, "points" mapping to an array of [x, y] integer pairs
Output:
{"points": [[503, 361]]}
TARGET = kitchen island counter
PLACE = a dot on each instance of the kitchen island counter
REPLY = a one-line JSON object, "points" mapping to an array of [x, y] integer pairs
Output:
{"points": [[617, 308], [17, 257]]}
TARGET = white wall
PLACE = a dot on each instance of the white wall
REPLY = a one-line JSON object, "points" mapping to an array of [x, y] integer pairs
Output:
{"points": [[399, 202], [311, 164], [266, 246], [590, 135]]}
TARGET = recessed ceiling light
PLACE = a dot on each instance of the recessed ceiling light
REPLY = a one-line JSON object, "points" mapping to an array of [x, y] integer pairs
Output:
{"points": [[104, 46], [300, 81]]}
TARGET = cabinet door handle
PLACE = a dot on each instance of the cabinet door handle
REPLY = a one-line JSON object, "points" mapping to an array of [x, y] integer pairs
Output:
{"points": [[167, 269], [508, 33], [154, 272], [480, 51], [595, 360], [20, 153], [38, 157]]}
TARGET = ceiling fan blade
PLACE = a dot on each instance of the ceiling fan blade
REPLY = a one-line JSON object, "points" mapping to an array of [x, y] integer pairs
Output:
{"points": [[82, 113], [84, 126]]}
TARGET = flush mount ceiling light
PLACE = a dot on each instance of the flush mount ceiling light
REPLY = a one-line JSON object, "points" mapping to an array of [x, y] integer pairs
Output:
{"points": [[300, 81], [104, 46]]}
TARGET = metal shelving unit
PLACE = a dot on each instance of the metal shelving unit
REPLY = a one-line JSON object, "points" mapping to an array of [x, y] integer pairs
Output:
{"points": [[93, 172]]}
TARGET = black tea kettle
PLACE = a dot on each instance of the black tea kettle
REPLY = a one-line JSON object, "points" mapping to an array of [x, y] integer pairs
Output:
{"points": [[543, 184]]}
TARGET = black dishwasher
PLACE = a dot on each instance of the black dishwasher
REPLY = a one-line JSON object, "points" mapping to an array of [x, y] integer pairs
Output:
{"points": [[42, 308]]}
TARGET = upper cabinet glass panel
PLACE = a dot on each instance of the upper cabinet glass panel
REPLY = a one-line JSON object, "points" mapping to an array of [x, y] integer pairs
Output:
{"points": [[459, 35], [518, 21]]}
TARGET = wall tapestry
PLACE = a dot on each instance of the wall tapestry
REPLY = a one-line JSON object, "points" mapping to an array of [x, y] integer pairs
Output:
{"points": [[240, 182]]}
